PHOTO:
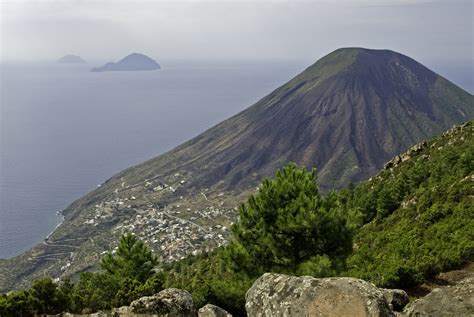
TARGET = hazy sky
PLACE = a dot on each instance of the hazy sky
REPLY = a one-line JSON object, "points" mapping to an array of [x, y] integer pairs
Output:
{"points": [[430, 31]]}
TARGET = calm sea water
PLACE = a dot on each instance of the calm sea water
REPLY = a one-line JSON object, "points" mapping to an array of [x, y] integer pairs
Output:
{"points": [[64, 129]]}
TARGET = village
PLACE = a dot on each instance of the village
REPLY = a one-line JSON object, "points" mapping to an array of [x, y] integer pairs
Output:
{"points": [[172, 231]]}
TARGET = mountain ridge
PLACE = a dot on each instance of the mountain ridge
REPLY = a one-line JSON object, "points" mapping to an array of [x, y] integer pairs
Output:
{"points": [[346, 114], [295, 85]]}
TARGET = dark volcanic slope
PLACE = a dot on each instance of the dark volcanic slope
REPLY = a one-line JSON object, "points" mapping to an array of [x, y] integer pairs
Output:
{"points": [[347, 114]]}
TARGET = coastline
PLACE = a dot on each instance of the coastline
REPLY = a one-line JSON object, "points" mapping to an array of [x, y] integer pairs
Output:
{"points": [[58, 213]]}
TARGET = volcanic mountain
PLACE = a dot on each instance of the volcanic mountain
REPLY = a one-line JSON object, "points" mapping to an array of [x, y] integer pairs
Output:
{"points": [[132, 62], [347, 115]]}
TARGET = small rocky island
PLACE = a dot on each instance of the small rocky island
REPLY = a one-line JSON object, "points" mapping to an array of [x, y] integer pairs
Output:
{"points": [[132, 62], [71, 59]]}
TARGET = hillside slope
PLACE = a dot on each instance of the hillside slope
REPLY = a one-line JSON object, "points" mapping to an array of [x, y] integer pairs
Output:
{"points": [[411, 221], [347, 114], [420, 210]]}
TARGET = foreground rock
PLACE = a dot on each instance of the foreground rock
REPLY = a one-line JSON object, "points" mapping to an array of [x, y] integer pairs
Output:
{"points": [[455, 300], [283, 295], [212, 311], [169, 302]]}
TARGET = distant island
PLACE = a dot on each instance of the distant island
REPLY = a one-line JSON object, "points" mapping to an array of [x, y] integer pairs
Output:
{"points": [[132, 62], [71, 59]]}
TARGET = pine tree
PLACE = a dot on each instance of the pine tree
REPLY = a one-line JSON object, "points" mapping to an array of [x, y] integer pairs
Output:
{"points": [[44, 296], [133, 259], [287, 223]]}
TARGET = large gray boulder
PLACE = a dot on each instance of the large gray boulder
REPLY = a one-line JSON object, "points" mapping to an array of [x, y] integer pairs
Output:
{"points": [[282, 295], [456, 300], [171, 302], [210, 310]]}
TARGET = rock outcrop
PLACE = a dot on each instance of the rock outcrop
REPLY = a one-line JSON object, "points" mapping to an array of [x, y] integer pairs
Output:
{"points": [[283, 295], [212, 311], [406, 155], [171, 302], [274, 295], [456, 300]]}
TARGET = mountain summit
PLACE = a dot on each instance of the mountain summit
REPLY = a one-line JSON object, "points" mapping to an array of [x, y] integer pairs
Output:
{"points": [[347, 115], [132, 62]]}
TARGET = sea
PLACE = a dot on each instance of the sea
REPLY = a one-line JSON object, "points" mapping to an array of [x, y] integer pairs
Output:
{"points": [[64, 129]]}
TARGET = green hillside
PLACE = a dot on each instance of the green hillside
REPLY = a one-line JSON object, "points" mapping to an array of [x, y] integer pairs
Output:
{"points": [[420, 213], [408, 223]]}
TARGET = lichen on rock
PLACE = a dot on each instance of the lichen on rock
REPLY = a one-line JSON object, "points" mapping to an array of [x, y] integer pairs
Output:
{"points": [[171, 302], [283, 295]]}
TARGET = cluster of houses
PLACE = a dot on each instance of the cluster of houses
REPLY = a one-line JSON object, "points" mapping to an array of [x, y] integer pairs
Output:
{"points": [[187, 225], [173, 231], [173, 236]]}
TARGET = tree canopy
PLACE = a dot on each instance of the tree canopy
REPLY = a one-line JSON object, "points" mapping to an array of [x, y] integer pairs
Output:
{"points": [[287, 223], [132, 259]]}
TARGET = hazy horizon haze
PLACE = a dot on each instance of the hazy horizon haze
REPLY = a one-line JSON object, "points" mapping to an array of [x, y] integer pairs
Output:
{"points": [[221, 30]]}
